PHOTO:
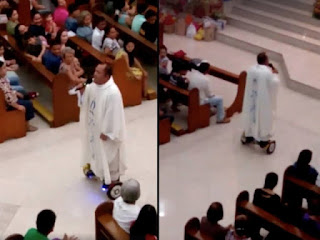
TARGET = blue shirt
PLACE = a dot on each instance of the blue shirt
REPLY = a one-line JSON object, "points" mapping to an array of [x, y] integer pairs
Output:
{"points": [[137, 22], [71, 24], [52, 62], [85, 32]]}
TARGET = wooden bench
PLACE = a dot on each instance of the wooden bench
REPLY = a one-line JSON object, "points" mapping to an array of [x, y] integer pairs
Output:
{"points": [[12, 123], [65, 108], [130, 87], [106, 227], [267, 220], [15, 237], [144, 48], [296, 188], [164, 130], [198, 115], [192, 231], [240, 80]]}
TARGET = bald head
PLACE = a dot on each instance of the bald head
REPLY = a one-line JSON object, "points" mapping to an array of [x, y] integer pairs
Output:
{"points": [[130, 191]]}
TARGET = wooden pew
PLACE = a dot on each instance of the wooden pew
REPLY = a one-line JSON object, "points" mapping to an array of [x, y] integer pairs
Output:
{"points": [[12, 123], [131, 88], [106, 227], [15, 237], [198, 115], [144, 48], [164, 130], [65, 108], [296, 188], [267, 220], [240, 80], [192, 230]]}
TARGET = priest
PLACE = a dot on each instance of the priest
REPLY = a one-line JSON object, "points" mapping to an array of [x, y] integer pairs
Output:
{"points": [[104, 126], [259, 103]]}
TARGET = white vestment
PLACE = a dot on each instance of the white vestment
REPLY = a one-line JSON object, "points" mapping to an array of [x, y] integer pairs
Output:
{"points": [[103, 113], [259, 102]]}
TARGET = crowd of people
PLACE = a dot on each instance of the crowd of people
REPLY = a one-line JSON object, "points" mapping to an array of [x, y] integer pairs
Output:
{"points": [[288, 210]]}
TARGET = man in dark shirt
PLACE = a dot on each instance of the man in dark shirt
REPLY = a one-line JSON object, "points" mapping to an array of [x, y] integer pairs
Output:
{"points": [[149, 29], [52, 58]]}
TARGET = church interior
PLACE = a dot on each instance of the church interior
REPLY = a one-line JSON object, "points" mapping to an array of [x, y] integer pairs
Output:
{"points": [[205, 162]]}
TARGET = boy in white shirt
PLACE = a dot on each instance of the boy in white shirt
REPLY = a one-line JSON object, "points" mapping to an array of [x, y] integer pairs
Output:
{"points": [[98, 33], [125, 210]]}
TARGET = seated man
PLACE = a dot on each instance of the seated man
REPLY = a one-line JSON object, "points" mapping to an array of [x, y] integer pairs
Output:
{"points": [[209, 224], [52, 58], [301, 168], [125, 210], [199, 80], [45, 224]]}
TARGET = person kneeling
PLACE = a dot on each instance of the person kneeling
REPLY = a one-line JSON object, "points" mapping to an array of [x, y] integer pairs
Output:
{"points": [[14, 99]]}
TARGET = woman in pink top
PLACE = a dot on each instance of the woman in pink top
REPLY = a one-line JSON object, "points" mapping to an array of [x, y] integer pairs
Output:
{"points": [[61, 13]]}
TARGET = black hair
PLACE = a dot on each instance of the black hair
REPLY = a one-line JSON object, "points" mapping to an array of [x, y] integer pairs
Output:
{"points": [[146, 223], [28, 35], [163, 47], [18, 36], [100, 19], [108, 70], [1, 63], [33, 13], [262, 58], [1, 43], [150, 13], [241, 225], [215, 212], [9, 12], [130, 54], [72, 8], [304, 158], [45, 221], [55, 42], [180, 65], [141, 8], [271, 180], [203, 67]]}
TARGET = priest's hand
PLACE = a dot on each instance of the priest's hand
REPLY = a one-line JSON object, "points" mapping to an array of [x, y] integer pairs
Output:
{"points": [[103, 137]]}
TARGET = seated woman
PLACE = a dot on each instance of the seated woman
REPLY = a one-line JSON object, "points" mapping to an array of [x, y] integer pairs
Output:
{"points": [[71, 66], [63, 37], [268, 200], [134, 65], [15, 99], [146, 225], [85, 26], [209, 224], [36, 27], [149, 29], [13, 20], [35, 49], [110, 44], [19, 31], [61, 13]]}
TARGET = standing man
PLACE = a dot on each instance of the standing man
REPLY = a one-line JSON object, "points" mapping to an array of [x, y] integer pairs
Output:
{"points": [[260, 101], [104, 150]]}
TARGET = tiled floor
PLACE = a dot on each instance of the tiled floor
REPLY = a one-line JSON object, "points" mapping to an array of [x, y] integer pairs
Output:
{"points": [[211, 164], [43, 170]]}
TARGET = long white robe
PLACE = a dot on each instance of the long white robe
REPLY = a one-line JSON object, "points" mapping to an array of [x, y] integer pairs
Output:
{"points": [[259, 103], [103, 113]]}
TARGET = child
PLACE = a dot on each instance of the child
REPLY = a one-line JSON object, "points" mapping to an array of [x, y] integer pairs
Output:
{"points": [[98, 33], [71, 66], [149, 30], [13, 17], [134, 65], [85, 26], [61, 13], [52, 58], [51, 26], [110, 44], [35, 48], [163, 61], [72, 22]]}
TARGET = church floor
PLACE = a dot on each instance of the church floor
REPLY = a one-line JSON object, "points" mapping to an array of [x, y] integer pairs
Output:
{"points": [[43, 171], [211, 164]]}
